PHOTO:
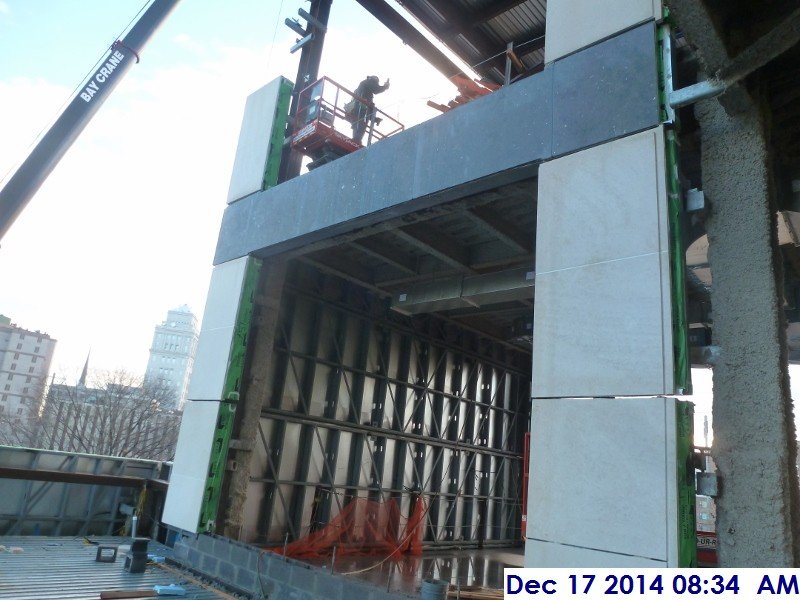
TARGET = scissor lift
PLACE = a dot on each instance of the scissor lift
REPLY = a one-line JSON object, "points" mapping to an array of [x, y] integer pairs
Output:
{"points": [[325, 116]]}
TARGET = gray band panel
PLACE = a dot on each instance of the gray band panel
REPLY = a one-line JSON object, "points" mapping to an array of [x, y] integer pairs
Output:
{"points": [[605, 91], [601, 93]]}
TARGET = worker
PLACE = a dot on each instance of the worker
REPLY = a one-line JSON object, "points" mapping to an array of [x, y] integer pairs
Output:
{"points": [[363, 112]]}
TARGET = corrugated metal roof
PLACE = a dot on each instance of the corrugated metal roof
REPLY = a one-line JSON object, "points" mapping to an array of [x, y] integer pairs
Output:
{"points": [[521, 23], [64, 568]]}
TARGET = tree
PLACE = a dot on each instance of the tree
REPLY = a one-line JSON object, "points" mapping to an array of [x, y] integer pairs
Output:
{"points": [[118, 414]]}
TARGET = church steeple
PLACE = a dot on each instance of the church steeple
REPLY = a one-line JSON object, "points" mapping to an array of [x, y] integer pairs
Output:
{"points": [[82, 380]]}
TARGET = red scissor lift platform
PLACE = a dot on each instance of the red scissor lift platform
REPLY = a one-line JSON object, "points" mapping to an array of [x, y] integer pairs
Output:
{"points": [[325, 116]]}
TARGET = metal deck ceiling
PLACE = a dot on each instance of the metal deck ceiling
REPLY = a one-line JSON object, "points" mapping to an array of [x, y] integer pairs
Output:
{"points": [[489, 232], [478, 31]]}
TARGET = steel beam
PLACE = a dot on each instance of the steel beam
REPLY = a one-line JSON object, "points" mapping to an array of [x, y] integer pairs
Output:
{"points": [[378, 376], [378, 249], [467, 481], [307, 73], [308, 431], [433, 241], [454, 25], [366, 488], [399, 407], [81, 478], [392, 434], [346, 269], [379, 399], [507, 309], [355, 391], [332, 442], [418, 415], [269, 497], [274, 447], [398, 25], [347, 314], [436, 430], [487, 218], [492, 10], [404, 328]]}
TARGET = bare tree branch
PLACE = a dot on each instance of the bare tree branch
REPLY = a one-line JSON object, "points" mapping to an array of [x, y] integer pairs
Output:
{"points": [[118, 414]]}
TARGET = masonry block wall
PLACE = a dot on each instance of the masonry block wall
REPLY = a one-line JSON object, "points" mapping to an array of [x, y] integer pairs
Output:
{"points": [[250, 570]]}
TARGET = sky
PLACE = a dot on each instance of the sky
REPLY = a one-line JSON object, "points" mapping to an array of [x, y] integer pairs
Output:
{"points": [[125, 227]]}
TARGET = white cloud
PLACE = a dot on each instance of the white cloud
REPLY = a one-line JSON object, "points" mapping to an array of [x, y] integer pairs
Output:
{"points": [[125, 227], [5, 9], [184, 40]]}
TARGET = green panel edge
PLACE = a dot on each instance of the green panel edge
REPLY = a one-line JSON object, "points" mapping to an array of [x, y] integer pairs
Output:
{"points": [[687, 495], [677, 250], [230, 397], [278, 134], [238, 351]]}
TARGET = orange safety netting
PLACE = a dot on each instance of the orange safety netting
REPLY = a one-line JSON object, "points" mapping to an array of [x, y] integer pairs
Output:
{"points": [[364, 527]]}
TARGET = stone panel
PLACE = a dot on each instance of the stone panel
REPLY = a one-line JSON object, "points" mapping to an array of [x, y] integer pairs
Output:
{"points": [[254, 141], [192, 455], [545, 555], [602, 330], [575, 24], [610, 457], [216, 332], [602, 309]]}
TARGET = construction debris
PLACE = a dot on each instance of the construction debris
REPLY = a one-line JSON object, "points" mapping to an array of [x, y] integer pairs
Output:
{"points": [[468, 90], [158, 590], [169, 590]]}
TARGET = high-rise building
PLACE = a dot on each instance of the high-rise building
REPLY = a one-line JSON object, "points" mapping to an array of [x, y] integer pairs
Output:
{"points": [[24, 364], [172, 352]]}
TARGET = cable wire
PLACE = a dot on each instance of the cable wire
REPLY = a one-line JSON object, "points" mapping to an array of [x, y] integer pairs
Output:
{"points": [[274, 35], [71, 96]]}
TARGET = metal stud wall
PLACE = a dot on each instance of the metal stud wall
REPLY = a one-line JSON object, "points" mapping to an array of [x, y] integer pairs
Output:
{"points": [[370, 403]]}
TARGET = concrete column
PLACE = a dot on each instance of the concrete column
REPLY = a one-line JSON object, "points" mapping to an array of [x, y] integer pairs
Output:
{"points": [[256, 386], [754, 434]]}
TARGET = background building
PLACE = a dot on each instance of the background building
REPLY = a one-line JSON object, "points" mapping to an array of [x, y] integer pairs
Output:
{"points": [[172, 352], [24, 364]]}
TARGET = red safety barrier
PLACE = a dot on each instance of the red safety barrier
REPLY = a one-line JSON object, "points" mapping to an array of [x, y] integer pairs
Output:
{"points": [[364, 527]]}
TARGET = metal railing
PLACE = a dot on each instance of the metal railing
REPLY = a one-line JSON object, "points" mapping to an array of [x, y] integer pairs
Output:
{"points": [[329, 110], [47, 492]]}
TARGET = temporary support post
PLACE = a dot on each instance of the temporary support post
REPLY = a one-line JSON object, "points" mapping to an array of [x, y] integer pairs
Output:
{"points": [[307, 71], [263, 302]]}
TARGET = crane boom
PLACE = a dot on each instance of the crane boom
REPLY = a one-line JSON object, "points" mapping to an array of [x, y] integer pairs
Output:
{"points": [[31, 174]]}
